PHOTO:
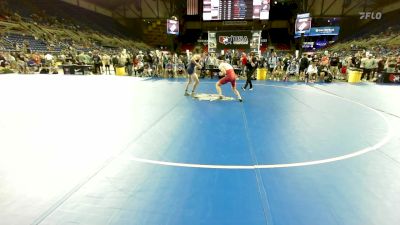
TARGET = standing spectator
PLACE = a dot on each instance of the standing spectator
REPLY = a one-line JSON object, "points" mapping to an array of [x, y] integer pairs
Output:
{"points": [[243, 60], [128, 64], [367, 64], [252, 67], [334, 65], [344, 65], [115, 62], [106, 60], [304, 63], [272, 61], [96, 62]]}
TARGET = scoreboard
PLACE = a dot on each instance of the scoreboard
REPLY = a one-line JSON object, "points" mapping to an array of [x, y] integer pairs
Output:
{"points": [[235, 9]]}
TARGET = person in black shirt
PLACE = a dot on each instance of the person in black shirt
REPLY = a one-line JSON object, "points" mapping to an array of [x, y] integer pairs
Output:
{"points": [[251, 67], [304, 63], [334, 65], [97, 63]]}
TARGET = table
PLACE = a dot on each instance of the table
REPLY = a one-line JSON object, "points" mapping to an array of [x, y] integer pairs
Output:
{"points": [[72, 69]]}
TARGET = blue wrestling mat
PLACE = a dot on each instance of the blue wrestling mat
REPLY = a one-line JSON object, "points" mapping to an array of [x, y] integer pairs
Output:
{"points": [[120, 150]]}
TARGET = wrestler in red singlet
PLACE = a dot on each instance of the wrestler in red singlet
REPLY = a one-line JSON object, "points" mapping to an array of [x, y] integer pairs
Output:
{"points": [[230, 76]]}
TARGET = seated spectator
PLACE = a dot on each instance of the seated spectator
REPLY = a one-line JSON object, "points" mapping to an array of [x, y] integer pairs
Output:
{"points": [[325, 74], [312, 72], [36, 59], [391, 65], [169, 68], [180, 68], [138, 67], [278, 71], [147, 71], [292, 70], [3, 61]]}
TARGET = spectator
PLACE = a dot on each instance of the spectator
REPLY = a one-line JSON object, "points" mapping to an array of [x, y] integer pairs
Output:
{"points": [[243, 60], [311, 72], [334, 65], [97, 62], [292, 70], [303, 65], [106, 60], [170, 69], [3, 61], [272, 61], [277, 73]]}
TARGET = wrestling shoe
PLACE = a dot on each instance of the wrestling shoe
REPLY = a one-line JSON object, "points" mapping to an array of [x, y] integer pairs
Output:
{"points": [[186, 94], [240, 100], [243, 89]]}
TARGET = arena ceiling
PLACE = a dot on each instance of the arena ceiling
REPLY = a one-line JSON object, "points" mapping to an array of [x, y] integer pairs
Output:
{"points": [[165, 8], [111, 4]]}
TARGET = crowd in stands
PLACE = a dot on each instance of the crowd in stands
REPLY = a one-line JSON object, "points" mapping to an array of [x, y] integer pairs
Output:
{"points": [[41, 43]]}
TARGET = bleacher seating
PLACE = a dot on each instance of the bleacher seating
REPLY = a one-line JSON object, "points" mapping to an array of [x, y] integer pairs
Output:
{"points": [[67, 13], [34, 44]]}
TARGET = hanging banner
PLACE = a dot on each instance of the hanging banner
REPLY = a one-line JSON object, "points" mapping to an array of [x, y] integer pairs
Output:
{"points": [[172, 27], [233, 39], [255, 41], [212, 42], [303, 24]]}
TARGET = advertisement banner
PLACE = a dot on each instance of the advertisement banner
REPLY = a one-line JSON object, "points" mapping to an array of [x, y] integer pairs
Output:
{"points": [[255, 41], [233, 39], [302, 26], [320, 31], [173, 27], [212, 42], [309, 44]]}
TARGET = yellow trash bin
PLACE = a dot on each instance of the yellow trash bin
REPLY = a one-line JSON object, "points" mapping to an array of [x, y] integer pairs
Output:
{"points": [[261, 74], [354, 76], [120, 71]]}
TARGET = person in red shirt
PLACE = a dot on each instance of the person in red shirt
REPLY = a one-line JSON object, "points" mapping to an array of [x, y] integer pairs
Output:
{"points": [[230, 76], [243, 60]]}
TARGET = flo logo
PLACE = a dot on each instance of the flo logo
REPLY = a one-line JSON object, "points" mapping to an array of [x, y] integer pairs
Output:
{"points": [[233, 40], [370, 15], [225, 40]]}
